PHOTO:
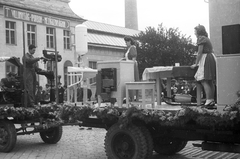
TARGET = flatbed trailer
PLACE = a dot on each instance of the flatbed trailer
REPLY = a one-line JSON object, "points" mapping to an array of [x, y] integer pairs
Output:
{"points": [[132, 132], [138, 133]]}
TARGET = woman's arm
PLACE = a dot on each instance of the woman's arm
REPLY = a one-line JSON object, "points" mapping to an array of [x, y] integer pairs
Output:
{"points": [[199, 56]]}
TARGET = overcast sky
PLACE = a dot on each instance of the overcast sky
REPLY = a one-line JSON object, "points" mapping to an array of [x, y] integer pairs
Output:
{"points": [[182, 14]]}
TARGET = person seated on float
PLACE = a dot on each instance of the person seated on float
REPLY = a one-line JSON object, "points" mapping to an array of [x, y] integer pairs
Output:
{"points": [[8, 83], [8, 86]]}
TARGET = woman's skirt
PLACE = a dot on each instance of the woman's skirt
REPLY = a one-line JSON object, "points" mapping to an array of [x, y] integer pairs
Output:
{"points": [[206, 68]]}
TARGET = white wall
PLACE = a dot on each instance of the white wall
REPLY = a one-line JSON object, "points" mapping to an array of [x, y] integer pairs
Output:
{"points": [[228, 79], [221, 13]]}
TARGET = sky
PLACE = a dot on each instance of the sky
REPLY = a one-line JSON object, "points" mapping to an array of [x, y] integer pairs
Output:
{"points": [[181, 14]]}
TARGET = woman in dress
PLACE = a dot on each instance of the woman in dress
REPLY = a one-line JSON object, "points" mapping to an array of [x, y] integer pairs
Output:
{"points": [[206, 62], [131, 54]]}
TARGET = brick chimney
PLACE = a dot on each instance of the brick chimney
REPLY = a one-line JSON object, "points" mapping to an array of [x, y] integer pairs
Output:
{"points": [[131, 17]]}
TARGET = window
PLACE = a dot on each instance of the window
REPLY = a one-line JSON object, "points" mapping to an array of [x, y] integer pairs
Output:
{"points": [[93, 65], [50, 38], [10, 32], [66, 77], [11, 68], [31, 34], [66, 39]]}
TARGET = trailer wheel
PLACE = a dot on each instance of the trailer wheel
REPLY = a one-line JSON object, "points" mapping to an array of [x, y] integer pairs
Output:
{"points": [[8, 136], [52, 135], [126, 143], [168, 146], [149, 141]]}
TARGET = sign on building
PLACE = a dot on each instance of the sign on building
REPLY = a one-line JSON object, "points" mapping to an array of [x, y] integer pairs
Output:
{"points": [[35, 18]]}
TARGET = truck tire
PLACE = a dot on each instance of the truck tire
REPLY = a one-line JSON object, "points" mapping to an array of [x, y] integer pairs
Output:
{"points": [[169, 146], [8, 136], [149, 141], [52, 135], [125, 143]]}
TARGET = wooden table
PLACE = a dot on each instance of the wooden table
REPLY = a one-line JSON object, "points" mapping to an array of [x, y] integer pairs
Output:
{"points": [[159, 72]]}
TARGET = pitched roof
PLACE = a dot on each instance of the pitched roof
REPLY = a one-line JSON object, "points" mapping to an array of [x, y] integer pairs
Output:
{"points": [[107, 40], [108, 28], [106, 35], [56, 7]]}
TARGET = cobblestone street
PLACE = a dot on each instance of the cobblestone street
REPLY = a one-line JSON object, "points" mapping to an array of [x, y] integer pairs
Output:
{"points": [[89, 144]]}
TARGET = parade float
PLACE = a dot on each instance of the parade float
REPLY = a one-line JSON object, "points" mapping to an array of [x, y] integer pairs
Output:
{"points": [[134, 130]]}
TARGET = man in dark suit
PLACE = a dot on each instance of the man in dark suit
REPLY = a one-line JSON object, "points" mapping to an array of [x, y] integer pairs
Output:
{"points": [[61, 91], [8, 85], [9, 82], [80, 94]]}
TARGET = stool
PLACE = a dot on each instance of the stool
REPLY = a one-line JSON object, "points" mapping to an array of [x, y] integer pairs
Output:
{"points": [[143, 86]]}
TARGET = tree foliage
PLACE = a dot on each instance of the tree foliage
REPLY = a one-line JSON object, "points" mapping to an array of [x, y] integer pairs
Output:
{"points": [[163, 47]]}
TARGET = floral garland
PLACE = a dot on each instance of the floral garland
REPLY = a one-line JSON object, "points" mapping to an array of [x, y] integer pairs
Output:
{"points": [[70, 113], [187, 116], [49, 111]]}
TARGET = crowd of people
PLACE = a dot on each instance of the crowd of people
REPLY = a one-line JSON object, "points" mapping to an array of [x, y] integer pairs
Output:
{"points": [[186, 88], [47, 94]]}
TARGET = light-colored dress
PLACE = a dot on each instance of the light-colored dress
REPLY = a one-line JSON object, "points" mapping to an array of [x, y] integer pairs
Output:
{"points": [[207, 63], [129, 55]]}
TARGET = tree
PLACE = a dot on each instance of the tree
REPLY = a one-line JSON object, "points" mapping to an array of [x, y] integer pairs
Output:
{"points": [[163, 47]]}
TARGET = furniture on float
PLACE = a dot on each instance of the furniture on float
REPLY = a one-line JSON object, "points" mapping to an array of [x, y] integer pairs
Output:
{"points": [[168, 72], [76, 76], [124, 71], [142, 86]]}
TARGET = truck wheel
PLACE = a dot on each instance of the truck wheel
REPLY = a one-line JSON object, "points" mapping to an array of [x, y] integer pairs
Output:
{"points": [[8, 136], [168, 146], [52, 135], [126, 143], [149, 141]]}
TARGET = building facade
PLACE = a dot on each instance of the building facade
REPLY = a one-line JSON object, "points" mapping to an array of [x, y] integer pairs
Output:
{"points": [[47, 24], [224, 29], [50, 25], [222, 13]]}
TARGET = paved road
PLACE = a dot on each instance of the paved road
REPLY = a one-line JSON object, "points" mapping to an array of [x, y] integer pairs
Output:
{"points": [[89, 144]]}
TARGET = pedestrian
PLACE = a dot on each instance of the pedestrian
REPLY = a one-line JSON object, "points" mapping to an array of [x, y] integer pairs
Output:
{"points": [[65, 93], [30, 70], [193, 92], [131, 54], [61, 91], [38, 94], [206, 62], [46, 93]]}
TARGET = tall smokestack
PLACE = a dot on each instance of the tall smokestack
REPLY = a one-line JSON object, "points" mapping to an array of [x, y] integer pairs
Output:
{"points": [[131, 17]]}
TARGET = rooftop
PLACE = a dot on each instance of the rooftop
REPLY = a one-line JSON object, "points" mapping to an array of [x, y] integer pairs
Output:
{"points": [[102, 34], [108, 28], [56, 7]]}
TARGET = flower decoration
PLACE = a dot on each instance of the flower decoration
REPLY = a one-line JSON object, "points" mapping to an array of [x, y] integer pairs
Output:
{"points": [[188, 116]]}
